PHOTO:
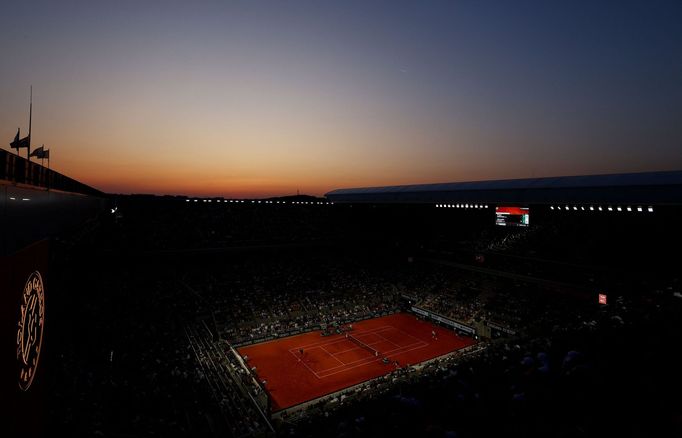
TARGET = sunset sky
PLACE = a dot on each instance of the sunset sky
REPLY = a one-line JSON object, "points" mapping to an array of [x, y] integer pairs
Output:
{"points": [[255, 98]]}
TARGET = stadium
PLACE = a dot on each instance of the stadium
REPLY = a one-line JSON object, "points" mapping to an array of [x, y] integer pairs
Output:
{"points": [[374, 310]]}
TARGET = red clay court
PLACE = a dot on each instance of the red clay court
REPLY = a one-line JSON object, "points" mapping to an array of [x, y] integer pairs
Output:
{"points": [[331, 363]]}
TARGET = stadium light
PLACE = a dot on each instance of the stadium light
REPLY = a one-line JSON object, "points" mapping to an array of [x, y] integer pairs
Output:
{"points": [[639, 209], [582, 208], [619, 209], [591, 208], [600, 209], [629, 209], [575, 208], [567, 207], [610, 208], [650, 209], [552, 207]]}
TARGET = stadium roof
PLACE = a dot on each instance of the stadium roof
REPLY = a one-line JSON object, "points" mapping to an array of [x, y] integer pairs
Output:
{"points": [[651, 188]]}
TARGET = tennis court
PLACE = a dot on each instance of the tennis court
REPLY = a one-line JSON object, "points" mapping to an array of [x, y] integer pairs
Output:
{"points": [[303, 367]]}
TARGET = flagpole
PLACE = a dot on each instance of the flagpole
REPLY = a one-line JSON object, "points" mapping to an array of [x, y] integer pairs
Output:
{"points": [[30, 117]]}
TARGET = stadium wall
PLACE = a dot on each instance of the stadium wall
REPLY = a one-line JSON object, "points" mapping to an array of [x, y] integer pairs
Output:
{"points": [[36, 205]]}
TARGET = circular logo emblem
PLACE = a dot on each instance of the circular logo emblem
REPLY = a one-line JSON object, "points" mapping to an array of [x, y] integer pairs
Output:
{"points": [[30, 329]]}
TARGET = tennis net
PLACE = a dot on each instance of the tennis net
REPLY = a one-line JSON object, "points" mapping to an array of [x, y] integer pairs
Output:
{"points": [[363, 345]]}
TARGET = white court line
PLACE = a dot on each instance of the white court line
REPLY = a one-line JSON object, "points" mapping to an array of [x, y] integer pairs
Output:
{"points": [[359, 365], [325, 350], [366, 360], [326, 369], [407, 334], [306, 365], [388, 341], [293, 350], [349, 363], [328, 342], [373, 359], [356, 348]]}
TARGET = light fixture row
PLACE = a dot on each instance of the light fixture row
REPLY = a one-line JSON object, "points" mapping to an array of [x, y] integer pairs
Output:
{"points": [[254, 201], [638, 209], [461, 206]]}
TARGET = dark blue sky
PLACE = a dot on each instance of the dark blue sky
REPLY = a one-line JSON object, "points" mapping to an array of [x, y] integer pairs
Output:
{"points": [[265, 97]]}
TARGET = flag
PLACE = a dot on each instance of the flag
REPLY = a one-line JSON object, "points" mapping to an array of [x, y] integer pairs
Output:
{"points": [[37, 152], [16, 140], [45, 154], [20, 143], [24, 142]]}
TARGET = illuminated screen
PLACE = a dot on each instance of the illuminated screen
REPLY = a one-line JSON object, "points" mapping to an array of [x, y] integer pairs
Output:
{"points": [[512, 216]]}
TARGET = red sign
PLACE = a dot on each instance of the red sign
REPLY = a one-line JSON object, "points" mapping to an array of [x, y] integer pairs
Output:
{"points": [[602, 298]]}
